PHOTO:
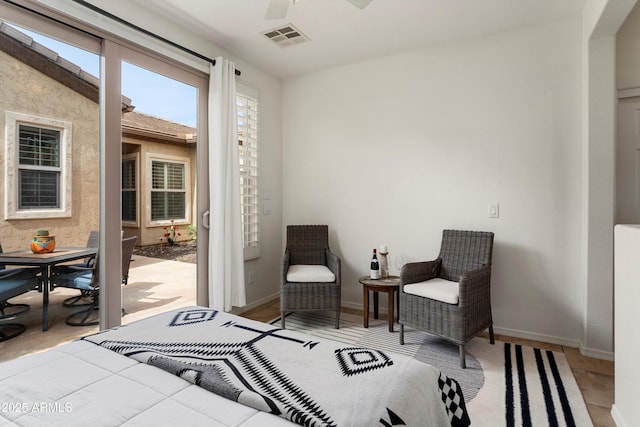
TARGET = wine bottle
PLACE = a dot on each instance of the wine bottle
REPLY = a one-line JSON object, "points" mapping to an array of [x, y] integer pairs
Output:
{"points": [[375, 266]]}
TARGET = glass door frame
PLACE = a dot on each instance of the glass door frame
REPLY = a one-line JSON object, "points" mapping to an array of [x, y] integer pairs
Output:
{"points": [[113, 50], [114, 53]]}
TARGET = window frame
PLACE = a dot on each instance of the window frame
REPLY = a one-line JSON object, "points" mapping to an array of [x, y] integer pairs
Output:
{"points": [[135, 157], [187, 189], [12, 166]]}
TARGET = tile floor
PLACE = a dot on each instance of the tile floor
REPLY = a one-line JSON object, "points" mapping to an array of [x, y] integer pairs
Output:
{"points": [[157, 285]]}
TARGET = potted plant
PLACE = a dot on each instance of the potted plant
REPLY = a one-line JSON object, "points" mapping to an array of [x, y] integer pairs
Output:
{"points": [[43, 242]]}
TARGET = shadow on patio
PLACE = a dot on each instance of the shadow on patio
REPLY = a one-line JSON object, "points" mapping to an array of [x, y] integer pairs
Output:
{"points": [[155, 285]]}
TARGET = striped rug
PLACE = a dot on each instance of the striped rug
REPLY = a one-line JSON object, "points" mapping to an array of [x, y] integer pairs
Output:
{"points": [[504, 384]]}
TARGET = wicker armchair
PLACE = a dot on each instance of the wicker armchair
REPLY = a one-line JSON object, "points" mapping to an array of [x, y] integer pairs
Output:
{"points": [[450, 296], [309, 272]]}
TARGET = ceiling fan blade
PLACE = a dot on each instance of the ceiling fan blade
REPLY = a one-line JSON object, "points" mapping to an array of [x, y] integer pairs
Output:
{"points": [[360, 4], [277, 9]]}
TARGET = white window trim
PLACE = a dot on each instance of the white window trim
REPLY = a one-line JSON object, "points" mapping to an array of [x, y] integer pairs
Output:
{"points": [[11, 189], [187, 188], [136, 158]]}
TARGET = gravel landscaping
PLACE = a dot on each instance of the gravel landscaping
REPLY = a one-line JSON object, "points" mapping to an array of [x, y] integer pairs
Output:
{"points": [[181, 251]]}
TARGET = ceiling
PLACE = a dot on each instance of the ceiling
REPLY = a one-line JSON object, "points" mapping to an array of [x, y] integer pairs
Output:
{"points": [[341, 34]]}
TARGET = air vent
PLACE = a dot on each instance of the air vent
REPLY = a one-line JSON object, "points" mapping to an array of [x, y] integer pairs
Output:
{"points": [[287, 35]]}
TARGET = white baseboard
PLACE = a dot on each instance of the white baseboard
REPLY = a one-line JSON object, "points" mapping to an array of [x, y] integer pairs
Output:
{"points": [[551, 339], [598, 354], [264, 300], [617, 418]]}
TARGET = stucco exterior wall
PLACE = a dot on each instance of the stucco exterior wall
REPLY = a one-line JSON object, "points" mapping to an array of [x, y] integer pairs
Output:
{"points": [[24, 90], [149, 232]]}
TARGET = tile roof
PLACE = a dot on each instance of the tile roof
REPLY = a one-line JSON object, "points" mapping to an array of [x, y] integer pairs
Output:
{"points": [[12, 39], [157, 128], [24, 48]]}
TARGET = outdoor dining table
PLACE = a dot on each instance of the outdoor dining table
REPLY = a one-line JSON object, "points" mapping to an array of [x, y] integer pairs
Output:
{"points": [[45, 262]]}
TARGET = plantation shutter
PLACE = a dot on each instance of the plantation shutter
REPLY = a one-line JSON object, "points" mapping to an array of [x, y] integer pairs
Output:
{"points": [[247, 107], [168, 191], [129, 191]]}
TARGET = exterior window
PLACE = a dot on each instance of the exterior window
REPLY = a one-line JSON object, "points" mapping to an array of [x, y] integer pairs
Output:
{"points": [[38, 167], [129, 189], [168, 191], [247, 107]]}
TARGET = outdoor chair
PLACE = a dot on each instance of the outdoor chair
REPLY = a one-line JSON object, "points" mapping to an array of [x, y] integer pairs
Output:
{"points": [[128, 245], [450, 296], [309, 272], [87, 279], [14, 282], [84, 298]]}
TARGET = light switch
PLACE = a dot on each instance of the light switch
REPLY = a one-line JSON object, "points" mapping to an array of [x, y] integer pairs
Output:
{"points": [[494, 210]]}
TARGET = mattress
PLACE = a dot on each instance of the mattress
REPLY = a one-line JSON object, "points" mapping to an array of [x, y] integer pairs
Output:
{"points": [[82, 384]]}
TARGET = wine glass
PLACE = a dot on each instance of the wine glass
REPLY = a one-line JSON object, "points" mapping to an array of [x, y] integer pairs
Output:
{"points": [[399, 262], [384, 266]]}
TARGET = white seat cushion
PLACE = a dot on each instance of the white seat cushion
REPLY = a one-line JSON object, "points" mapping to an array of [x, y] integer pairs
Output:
{"points": [[310, 273], [436, 289]]}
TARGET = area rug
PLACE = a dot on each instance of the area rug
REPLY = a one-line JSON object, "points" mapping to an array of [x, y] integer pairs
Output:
{"points": [[504, 384]]}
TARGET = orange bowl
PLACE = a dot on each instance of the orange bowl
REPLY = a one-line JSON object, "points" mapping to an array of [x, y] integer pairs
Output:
{"points": [[43, 244]]}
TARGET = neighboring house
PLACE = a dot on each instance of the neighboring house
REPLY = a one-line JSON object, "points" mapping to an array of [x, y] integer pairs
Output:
{"points": [[50, 153], [158, 176]]}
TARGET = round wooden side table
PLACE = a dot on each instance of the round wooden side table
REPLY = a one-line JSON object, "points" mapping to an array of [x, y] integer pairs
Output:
{"points": [[389, 285]]}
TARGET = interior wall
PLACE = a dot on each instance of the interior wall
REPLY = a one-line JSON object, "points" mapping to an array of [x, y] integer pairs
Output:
{"points": [[396, 149], [628, 52], [600, 200]]}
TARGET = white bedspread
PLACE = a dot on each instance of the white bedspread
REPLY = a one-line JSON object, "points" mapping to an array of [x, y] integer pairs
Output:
{"points": [[308, 380]]}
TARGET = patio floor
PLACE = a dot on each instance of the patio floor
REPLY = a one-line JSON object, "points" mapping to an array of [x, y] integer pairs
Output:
{"points": [[155, 285]]}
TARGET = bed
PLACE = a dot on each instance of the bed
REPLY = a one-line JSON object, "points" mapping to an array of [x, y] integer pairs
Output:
{"points": [[198, 366]]}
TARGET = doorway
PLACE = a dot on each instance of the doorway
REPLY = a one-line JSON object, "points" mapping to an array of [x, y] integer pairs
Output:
{"points": [[628, 161], [159, 184]]}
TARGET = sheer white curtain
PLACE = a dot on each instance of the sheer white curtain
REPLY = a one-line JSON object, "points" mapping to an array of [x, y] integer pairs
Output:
{"points": [[226, 258]]}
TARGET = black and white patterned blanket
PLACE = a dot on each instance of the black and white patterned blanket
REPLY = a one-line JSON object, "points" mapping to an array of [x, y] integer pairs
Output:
{"points": [[307, 380]]}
